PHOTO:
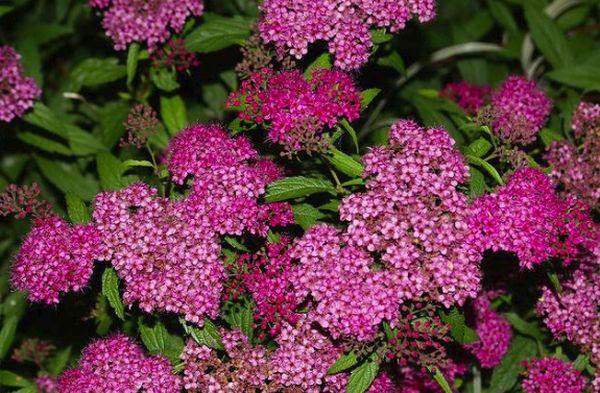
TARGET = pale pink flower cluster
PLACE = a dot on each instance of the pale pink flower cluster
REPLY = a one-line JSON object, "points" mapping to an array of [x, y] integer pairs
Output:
{"points": [[55, 258], [46, 384], [300, 362], [520, 110], [292, 25], [551, 375], [421, 381], [17, 92], [494, 333], [527, 218], [297, 109], [414, 217], [152, 21], [117, 364], [576, 168], [573, 313]]}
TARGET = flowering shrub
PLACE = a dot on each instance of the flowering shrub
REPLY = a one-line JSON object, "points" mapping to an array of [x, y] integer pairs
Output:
{"points": [[288, 196]]}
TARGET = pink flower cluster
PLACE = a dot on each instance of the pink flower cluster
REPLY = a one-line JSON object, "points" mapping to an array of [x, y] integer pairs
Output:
{"points": [[494, 333], [414, 217], [17, 92], [383, 383], [294, 24], [468, 96], [300, 362], [127, 21], [550, 375], [116, 364], [421, 381], [573, 313], [168, 252], [297, 109], [527, 218], [55, 258], [46, 384], [520, 110], [576, 169]]}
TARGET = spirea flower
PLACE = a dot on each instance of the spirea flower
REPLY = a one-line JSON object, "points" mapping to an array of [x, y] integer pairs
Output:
{"points": [[297, 109], [174, 55], [352, 297], [46, 384], [413, 216], [550, 375], [468, 96], [55, 258], [34, 350], [585, 119], [152, 21], [291, 25], [17, 92], [117, 364], [384, 384], [246, 368], [494, 333], [527, 218], [520, 109], [168, 257], [140, 125], [573, 313], [22, 201]]}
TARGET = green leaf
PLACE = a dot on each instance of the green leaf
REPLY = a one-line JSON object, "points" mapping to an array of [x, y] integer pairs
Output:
{"points": [[458, 328], [584, 76], [68, 178], [173, 113], [15, 305], [393, 60], [550, 40], [7, 335], [367, 96], [110, 289], [487, 166], [296, 187], [502, 14], [59, 361], [218, 32], [344, 163], [380, 36], [95, 72], [240, 316], [205, 335], [321, 62], [8, 378], [44, 143], [159, 341], [480, 147], [109, 170], [527, 328], [441, 380], [477, 184], [137, 163], [43, 117], [548, 136], [81, 142], [344, 362], [78, 212], [132, 61], [581, 362], [362, 376], [506, 373], [164, 79], [351, 131], [306, 215]]}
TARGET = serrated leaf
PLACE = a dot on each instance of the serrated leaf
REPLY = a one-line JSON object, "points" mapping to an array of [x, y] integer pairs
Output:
{"points": [[132, 61], [480, 147], [164, 79], [218, 32], [43, 117], [505, 375], [159, 341], [362, 376], [344, 362], [110, 171], [321, 62], [241, 317], [380, 36], [8, 378], [477, 184], [296, 187], [76, 208], [550, 40], [94, 72], [110, 289], [44, 143], [367, 96], [173, 113], [458, 328], [68, 178], [306, 215], [344, 163], [205, 335]]}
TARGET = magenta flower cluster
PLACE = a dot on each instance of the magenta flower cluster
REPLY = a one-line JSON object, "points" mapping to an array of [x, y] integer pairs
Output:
{"points": [[585, 119], [527, 218], [152, 21], [55, 258], [297, 109], [551, 375], [468, 96], [292, 25], [520, 110], [17, 91], [413, 215], [116, 364], [300, 362], [494, 333]]}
